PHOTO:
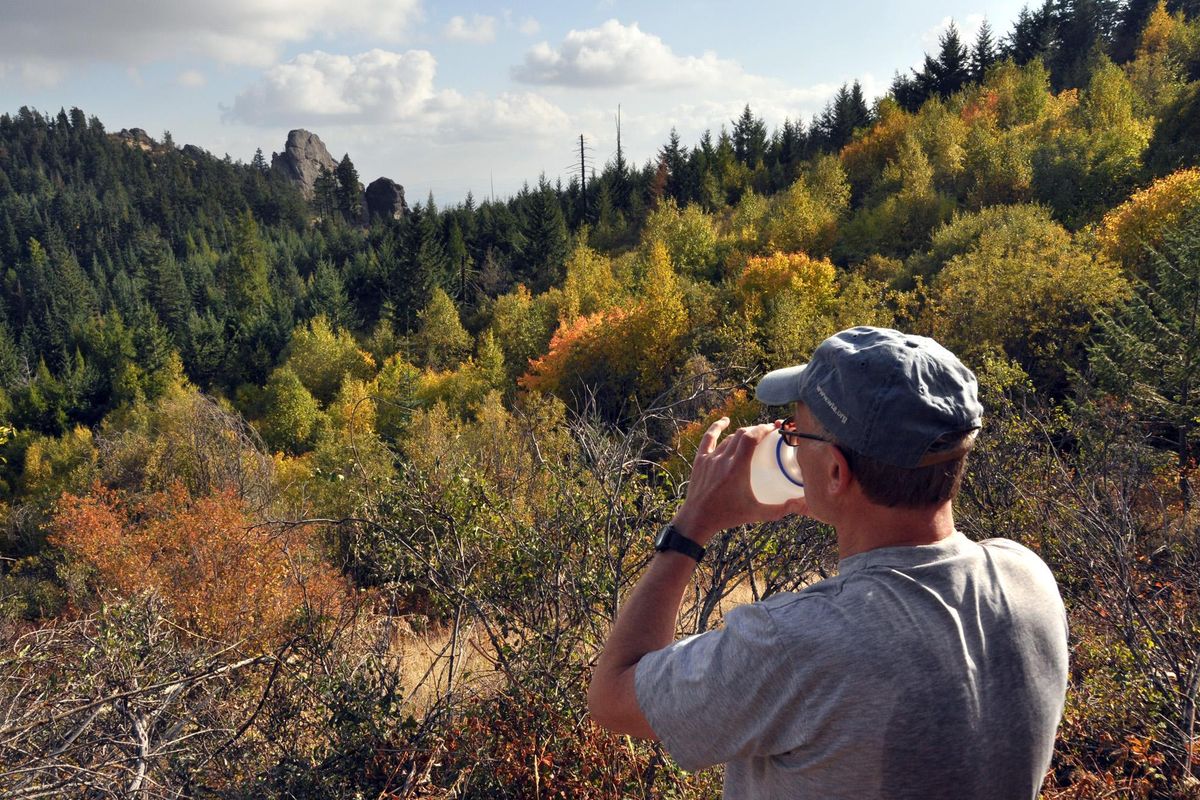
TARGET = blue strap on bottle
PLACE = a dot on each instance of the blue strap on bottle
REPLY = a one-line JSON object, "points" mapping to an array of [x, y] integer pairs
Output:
{"points": [[782, 468]]}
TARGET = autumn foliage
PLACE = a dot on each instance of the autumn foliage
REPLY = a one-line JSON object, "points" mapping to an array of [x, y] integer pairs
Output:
{"points": [[1141, 221], [221, 575], [620, 353]]}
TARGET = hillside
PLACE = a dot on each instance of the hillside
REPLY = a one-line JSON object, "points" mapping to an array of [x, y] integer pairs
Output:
{"points": [[301, 500]]}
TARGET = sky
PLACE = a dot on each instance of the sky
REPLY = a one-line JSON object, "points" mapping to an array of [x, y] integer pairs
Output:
{"points": [[457, 96]]}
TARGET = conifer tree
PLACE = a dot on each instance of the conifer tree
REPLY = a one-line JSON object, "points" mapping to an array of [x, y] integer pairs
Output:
{"points": [[1033, 35], [9, 358], [460, 262], [349, 190], [169, 295], [983, 53], [326, 294], [434, 269], [326, 193], [544, 254], [1128, 31], [749, 138], [1148, 350], [245, 273], [906, 92], [673, 160], [441, 341], [844, 114], [1083, 29], [953, 67]]}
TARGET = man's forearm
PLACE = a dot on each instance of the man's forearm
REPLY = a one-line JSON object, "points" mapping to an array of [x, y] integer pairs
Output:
{"points": [[645, 623]]}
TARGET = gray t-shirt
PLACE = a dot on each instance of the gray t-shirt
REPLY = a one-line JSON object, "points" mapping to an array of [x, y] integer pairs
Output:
{"points": [[928, 672]]}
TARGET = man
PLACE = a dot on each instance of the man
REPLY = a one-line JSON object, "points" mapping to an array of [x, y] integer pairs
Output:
{"points": [[930, 667]]}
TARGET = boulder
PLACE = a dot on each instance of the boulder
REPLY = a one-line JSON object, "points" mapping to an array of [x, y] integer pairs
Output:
{"points": [[195, 153], [385, 198], [302, 159], [137, 137]]}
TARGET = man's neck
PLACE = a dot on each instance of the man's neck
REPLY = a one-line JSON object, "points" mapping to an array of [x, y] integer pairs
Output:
{"points": [[871, 527]]}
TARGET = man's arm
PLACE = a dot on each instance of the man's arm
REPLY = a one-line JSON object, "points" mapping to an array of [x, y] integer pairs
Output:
{"points": [[718, 497], [645, 623]]}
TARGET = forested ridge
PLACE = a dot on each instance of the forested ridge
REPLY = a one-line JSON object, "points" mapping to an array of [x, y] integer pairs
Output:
{"points": [[302, 503]]}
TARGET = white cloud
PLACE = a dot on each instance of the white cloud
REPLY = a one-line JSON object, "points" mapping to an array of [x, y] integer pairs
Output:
{"points": [[619, 55], [527, 27], [35, 73], [133, 32], [191, 78], [376, 86], [481, 28], [395, 90]]}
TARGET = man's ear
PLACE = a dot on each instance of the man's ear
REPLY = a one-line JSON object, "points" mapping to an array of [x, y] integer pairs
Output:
{"points": [[840, 475]]}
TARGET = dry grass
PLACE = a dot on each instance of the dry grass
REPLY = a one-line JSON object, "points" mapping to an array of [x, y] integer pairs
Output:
{"points": [[425, 660]]}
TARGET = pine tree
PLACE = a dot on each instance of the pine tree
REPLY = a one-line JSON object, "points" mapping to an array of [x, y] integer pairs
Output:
{"points": [[325, 194], [844, 114], [1148, 351], [673, 160], [1033, 35], [1128, 32], [441, 340], [1083, 28], [541, 260], [245, 273], [953, 69], [749, 138], [326, 294], [349, 190], [155, 353], [460, 262], [907, 93], [983, 53], [434, 269], [10, 361]]}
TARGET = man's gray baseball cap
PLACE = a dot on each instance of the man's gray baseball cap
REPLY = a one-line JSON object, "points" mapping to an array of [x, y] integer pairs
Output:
{"points": [[885, 394]]}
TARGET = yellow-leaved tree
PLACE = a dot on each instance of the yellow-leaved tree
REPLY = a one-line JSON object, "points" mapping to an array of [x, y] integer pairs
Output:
{"points": [[1013, 281], [590, 285], [321, 358], [627, 353], [804, 218], [1128, 231]]}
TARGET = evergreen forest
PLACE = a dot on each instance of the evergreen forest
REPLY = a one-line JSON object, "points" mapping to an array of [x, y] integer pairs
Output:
{"points": [[300, 503]]}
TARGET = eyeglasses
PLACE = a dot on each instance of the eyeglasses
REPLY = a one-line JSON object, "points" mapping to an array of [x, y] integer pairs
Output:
{"points": [[792, 437]]}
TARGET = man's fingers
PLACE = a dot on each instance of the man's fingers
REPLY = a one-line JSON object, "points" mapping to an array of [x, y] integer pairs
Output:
{"points": [[708, 442]]}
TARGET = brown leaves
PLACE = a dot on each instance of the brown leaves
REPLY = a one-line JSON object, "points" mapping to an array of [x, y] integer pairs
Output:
{"points": [[220, 574]]}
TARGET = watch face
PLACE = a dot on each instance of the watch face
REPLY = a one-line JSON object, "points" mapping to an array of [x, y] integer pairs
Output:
{"points": [[660, 541]]}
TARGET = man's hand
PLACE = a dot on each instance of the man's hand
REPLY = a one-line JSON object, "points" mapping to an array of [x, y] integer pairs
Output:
{"points": [[719, 494]]}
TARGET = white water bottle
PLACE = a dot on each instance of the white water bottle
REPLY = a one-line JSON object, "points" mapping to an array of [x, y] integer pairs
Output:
{"points": [[774, 474]]}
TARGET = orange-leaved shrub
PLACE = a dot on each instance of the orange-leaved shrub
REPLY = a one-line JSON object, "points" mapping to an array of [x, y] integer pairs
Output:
{"points": [[622, 353], [219, 573]]}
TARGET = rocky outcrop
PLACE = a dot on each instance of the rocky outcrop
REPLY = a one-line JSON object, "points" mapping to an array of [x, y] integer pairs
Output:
{"points": [[195, 153], [136, 137], [302, 159], [385, 198]]}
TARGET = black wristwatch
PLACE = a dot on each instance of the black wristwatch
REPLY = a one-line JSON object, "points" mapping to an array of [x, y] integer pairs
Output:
{"points": [[671, 539]]}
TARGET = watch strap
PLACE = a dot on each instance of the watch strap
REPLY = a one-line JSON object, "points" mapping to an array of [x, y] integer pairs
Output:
{"points": [[671, 539]]}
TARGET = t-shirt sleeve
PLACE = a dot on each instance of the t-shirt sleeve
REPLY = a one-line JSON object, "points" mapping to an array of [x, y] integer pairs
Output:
{"points": [[721, 695]]}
